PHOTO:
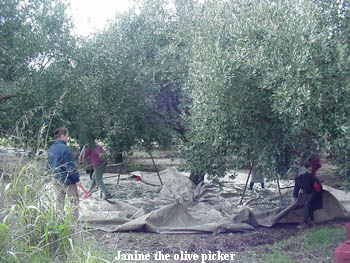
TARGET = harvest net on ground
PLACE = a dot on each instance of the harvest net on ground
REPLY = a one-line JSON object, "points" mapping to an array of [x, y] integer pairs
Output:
{"points": [[141, 203]]}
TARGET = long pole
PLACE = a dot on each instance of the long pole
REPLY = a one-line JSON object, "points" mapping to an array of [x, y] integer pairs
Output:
{"points": [[279, 189], [160, 179], [246, 183]]}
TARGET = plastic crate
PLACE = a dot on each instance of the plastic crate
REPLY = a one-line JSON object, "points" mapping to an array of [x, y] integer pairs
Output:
{"points": [[342, 252]]}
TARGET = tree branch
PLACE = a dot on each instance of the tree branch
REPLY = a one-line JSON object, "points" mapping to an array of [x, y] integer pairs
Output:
{"points": [[6, 97]]}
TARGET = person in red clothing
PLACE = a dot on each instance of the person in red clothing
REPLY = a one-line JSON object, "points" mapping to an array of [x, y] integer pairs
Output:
{"points": [[315, 164], [90, 168], [93, 154]]}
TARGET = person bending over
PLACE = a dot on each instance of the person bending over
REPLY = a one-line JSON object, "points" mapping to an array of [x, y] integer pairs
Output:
{"points": [[92, 154], [312, 188]]}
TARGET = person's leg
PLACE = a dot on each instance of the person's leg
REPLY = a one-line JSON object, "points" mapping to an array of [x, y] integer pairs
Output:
{"points": [[262, 185], [309, 208], [72, 190], [91, 171], [93, 183], [315, 197], [99, 181], [60, 196], [251, 185]]}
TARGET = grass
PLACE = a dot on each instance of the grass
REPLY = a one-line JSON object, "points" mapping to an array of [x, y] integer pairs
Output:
{"points": [[317, 245], [30, 228], [324, 237], [135, 166]]}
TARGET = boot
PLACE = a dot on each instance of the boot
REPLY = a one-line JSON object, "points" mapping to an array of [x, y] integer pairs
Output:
{"points": [[108, 196], [301, 226]]}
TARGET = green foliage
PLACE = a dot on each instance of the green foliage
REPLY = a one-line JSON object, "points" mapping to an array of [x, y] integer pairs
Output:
{"points": [[32, 218], [316, 245], [130, 87], [34, 63], [278, 257], [135, 166], [260, 78], [31, 230], [324, 237], [244, 79]]}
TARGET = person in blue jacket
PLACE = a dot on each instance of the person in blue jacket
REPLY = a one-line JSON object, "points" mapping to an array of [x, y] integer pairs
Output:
{"points": [[66, 176]]}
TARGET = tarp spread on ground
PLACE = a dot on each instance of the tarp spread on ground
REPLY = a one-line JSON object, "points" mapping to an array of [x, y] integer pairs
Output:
{"points": [[142, 204]]}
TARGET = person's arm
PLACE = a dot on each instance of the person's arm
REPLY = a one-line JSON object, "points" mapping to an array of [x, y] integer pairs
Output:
{"points": [[86, 156], [70, 166], [81, 155], [297, 186]]}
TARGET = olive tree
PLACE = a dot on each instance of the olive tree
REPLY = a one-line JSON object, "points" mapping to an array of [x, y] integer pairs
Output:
{"points": [[130, 78], [258, 81], [34, 61]]}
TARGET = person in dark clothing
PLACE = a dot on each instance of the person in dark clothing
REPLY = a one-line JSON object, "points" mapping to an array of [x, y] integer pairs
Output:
{"points": [[65, 173], [311, 186]]}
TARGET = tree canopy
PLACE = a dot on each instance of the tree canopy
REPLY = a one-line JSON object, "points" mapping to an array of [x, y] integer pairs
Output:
{"points": [[254, 80]]}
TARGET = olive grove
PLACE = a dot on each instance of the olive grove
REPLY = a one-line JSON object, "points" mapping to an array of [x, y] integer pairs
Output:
{"points": [[244, 81], [35, 57], [263, 74]]}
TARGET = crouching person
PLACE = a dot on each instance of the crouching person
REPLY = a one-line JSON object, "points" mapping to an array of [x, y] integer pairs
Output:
{"points": [[312, 188]]}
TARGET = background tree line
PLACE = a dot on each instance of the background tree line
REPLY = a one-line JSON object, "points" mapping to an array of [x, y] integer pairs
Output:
{"points": [[253, 79]]}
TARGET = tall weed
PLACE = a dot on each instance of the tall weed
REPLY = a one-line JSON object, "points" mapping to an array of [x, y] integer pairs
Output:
{"points": [[30, 229]]}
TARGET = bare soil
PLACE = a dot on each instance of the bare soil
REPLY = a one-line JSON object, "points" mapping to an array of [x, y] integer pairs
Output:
{"points": [[247, 247], [193, 243]]}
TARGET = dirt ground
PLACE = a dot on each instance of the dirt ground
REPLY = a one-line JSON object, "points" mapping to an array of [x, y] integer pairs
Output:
{"points": [[247, 246], [193, 243]]}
